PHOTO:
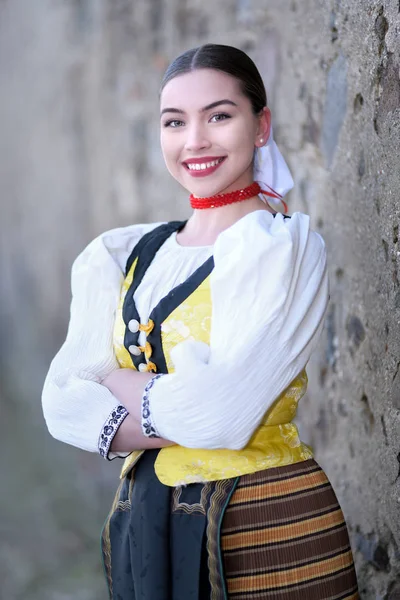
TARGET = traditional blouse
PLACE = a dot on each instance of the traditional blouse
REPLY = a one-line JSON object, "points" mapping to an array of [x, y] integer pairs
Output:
{"points": [[76, 407], [269, 294]]}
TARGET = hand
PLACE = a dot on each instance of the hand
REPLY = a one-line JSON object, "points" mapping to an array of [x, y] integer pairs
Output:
{"points": [[128, 386]]}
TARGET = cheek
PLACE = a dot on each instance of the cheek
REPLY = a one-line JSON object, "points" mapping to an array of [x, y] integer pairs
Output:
{"points": [[241, 137], [167, 147], [170, 153], [243, 148]]}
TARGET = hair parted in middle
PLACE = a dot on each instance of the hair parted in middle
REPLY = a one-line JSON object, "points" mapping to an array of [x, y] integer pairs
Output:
{"points": [[227, 59]]}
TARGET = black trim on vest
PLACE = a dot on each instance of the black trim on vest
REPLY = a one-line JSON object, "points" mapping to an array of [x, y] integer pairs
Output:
{"points": [[145, 251], [168, 304], [154, 239]]}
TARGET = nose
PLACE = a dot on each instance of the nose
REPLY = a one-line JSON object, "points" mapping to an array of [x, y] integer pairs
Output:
{"points": [[197, 138]]}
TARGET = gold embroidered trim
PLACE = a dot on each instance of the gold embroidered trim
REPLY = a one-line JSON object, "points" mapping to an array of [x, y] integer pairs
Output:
{"points": [[217, 500], [199, 507], [117, 505]]}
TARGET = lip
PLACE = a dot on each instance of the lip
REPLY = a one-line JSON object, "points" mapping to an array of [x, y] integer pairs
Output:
{"points": [[202, 159], [199, 161]]}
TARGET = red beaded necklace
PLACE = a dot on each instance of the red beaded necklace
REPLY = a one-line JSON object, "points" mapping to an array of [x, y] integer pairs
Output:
{"points": [[230, 197]]}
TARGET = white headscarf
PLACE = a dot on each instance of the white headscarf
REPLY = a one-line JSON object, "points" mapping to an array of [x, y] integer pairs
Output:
{"points": [[271, 171]]}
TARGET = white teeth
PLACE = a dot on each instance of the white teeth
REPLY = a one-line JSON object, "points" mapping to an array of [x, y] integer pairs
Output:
{"points": [[202, 166]]}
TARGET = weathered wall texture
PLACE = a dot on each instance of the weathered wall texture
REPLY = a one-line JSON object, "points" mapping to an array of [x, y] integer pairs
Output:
{"points": [[79, 154], [339, 112]]}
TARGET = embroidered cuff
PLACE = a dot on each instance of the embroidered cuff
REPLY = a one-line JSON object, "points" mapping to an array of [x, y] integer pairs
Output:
{"points": [[110, 428], [148, 427]]}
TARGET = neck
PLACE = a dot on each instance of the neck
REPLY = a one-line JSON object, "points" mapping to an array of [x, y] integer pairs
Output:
{"points": [[204, 226]]}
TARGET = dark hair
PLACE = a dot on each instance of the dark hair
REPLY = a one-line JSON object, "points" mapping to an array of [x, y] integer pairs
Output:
{"points": [[227, 59]]}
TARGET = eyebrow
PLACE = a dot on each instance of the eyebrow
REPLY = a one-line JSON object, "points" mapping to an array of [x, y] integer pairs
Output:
{"points": [[208, 107]]}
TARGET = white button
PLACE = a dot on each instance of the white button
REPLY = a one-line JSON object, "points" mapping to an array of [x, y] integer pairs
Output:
{"points": [[142, 367], [133, 325], [135, 350]]}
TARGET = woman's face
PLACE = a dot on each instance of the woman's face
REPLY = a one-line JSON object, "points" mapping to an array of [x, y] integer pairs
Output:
{"points": [[209, 132]]}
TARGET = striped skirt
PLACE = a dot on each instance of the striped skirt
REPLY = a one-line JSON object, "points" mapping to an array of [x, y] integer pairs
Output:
{"points": [[278, 534], [284, 537]]}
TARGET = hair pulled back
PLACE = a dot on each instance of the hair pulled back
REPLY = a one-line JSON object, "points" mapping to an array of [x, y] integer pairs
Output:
{"points": [[227, 59]]}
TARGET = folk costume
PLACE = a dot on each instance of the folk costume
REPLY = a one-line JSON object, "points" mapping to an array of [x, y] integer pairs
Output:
{"points": [[239, 508]]}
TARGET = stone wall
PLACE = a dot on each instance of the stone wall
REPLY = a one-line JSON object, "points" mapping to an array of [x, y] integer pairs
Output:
{"points": [[79, 154]]}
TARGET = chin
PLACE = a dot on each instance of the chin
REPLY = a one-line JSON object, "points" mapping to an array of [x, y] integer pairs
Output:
{"points": [[205, 189]]}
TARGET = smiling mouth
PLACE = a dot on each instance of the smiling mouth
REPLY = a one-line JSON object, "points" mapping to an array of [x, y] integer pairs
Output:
{"points": [[203, 166]]}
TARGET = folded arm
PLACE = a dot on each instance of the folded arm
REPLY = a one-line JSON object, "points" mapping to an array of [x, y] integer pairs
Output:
{"points": [[78, 409], [268, 311], [269, 296]]}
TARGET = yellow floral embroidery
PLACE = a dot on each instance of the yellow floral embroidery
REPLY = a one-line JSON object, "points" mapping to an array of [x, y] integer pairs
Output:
{"points": [[122, 354], [275, 443], [190, 320]]}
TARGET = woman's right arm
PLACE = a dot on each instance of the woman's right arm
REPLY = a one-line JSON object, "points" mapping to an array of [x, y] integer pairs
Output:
{"points": [[76, 407]]}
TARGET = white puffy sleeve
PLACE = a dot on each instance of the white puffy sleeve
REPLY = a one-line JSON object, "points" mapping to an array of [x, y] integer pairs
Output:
{"points": [[75, 405], [269, 292]]}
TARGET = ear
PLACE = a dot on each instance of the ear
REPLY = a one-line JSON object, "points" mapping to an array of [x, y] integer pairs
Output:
{"points": [[264, 127]]}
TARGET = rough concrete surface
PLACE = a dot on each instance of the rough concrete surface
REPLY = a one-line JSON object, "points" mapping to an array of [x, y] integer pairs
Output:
{"points": [[79, 154]]}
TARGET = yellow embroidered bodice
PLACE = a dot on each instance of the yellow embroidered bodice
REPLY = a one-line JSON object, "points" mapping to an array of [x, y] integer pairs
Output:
{"points": [[275, 443]]}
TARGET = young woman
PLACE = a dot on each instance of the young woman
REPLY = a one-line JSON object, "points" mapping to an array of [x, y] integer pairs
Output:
{"points": [[186, 353]]}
